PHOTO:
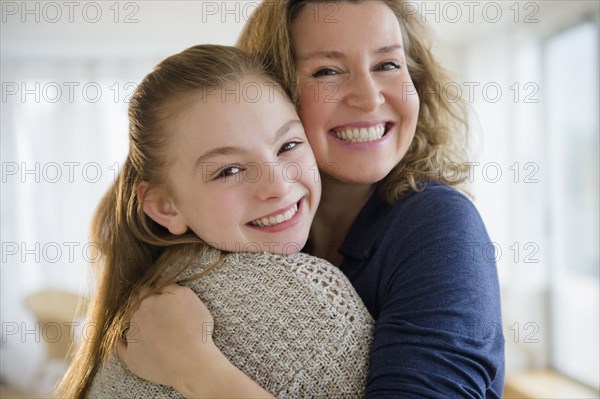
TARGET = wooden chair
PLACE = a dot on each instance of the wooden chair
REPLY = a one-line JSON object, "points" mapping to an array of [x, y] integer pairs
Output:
{"points": [[55, 312]]}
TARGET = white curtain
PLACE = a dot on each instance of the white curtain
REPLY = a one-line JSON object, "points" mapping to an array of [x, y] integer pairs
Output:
{"points": [[64, 135], [65, 85]]}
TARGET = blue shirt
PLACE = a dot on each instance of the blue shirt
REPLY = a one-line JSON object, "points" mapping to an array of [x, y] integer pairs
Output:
{"points": [[426, 271]]}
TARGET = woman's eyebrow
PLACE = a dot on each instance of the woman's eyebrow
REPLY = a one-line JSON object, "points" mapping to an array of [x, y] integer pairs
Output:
{"points": [[333, 54], [388, 49], [321, 54]]}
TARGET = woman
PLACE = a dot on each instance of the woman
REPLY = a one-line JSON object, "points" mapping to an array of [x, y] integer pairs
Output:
{"points": [[368, 93]]}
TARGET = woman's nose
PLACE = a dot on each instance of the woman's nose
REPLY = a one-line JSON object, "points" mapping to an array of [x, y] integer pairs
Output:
{"points": [[363, 93]]}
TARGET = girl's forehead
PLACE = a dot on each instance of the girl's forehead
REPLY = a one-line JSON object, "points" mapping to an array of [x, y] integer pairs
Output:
{"points": [[236, 106]]}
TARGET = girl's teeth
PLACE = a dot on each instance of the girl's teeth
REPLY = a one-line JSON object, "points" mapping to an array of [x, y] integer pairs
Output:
{"points": [[273, 220], [361, 135]]}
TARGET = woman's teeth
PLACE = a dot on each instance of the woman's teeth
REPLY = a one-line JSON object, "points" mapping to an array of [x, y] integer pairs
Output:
{"points": [[276, 219], [359, 135]]}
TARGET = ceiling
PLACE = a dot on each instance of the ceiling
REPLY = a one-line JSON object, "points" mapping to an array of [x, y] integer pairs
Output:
{"points": [[149, 28]]}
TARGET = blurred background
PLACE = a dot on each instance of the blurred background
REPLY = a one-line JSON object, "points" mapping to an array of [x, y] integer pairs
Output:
{"points": [[528, 69]]}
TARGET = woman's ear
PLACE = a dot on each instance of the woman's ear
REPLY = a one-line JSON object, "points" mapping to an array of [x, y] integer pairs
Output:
{"points": [[160, 208]]}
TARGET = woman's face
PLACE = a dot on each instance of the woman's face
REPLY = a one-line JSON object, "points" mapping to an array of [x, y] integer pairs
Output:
{"points": [[358, 103]]}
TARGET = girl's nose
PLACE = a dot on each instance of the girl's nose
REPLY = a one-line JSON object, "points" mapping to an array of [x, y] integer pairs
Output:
{"points": [[273, 183]]}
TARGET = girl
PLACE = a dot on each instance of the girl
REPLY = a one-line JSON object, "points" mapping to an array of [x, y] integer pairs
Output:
{"points": [[373, 100], [218, 164]]}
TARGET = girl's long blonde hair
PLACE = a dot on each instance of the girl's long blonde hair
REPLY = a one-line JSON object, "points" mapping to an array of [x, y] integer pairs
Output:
{"points": [[133, 248], [439, 149]]}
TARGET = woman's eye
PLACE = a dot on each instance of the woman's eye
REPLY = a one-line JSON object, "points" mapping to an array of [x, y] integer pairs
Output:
{"points": [[324, 72], [289, 146], [228, 171], [388, 66]]}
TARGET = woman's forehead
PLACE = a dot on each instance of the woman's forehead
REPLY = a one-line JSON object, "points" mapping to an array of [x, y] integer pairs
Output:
{"points": [[369, 25]]}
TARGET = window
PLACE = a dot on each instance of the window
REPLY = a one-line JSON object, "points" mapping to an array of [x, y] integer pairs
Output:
{"points": [[572, 134], [537, 185]]}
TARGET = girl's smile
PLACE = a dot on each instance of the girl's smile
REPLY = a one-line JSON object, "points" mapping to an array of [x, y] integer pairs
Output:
{"points": [[279, 220]]}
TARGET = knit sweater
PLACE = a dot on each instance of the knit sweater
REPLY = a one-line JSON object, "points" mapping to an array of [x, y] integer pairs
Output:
{"points": [[294, 324]]}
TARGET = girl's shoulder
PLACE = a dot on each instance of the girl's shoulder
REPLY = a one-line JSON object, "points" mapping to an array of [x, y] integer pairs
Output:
{"points": [[298, 266], [301, 277], [293, 323]]}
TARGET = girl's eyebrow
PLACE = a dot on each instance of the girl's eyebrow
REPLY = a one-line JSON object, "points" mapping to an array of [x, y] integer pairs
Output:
{"points": [[340, 55], [232, 150]]}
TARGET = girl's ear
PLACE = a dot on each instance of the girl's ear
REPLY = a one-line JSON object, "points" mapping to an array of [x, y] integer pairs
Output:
{"points": [[160, 208]]}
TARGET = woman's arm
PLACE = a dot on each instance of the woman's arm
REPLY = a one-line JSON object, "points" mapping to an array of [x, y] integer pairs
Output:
{"points": [[432, 286], [169, 342]]}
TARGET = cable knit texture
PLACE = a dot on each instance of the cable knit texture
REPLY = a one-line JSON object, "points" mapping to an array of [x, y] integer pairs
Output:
{"points": [[294, 324]]}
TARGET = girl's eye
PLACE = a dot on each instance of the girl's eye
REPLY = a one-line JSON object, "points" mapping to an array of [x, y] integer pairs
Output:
{"points": [[324, 72], [388, 66], [228, 171], [290, 145]]}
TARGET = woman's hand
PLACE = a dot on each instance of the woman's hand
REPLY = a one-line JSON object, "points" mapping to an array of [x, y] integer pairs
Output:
{"points": [[166, 335], [169, 342]]}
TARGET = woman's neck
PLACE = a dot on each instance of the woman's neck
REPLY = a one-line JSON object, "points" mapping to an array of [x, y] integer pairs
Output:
{"points": [[340, 205]]}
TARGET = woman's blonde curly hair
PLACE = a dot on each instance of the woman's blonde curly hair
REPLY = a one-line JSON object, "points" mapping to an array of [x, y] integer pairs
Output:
{"points": [[439, 149]]}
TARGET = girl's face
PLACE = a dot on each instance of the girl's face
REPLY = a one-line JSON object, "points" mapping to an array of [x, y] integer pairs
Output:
{"points": [[244, 177], [358, 104]]}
